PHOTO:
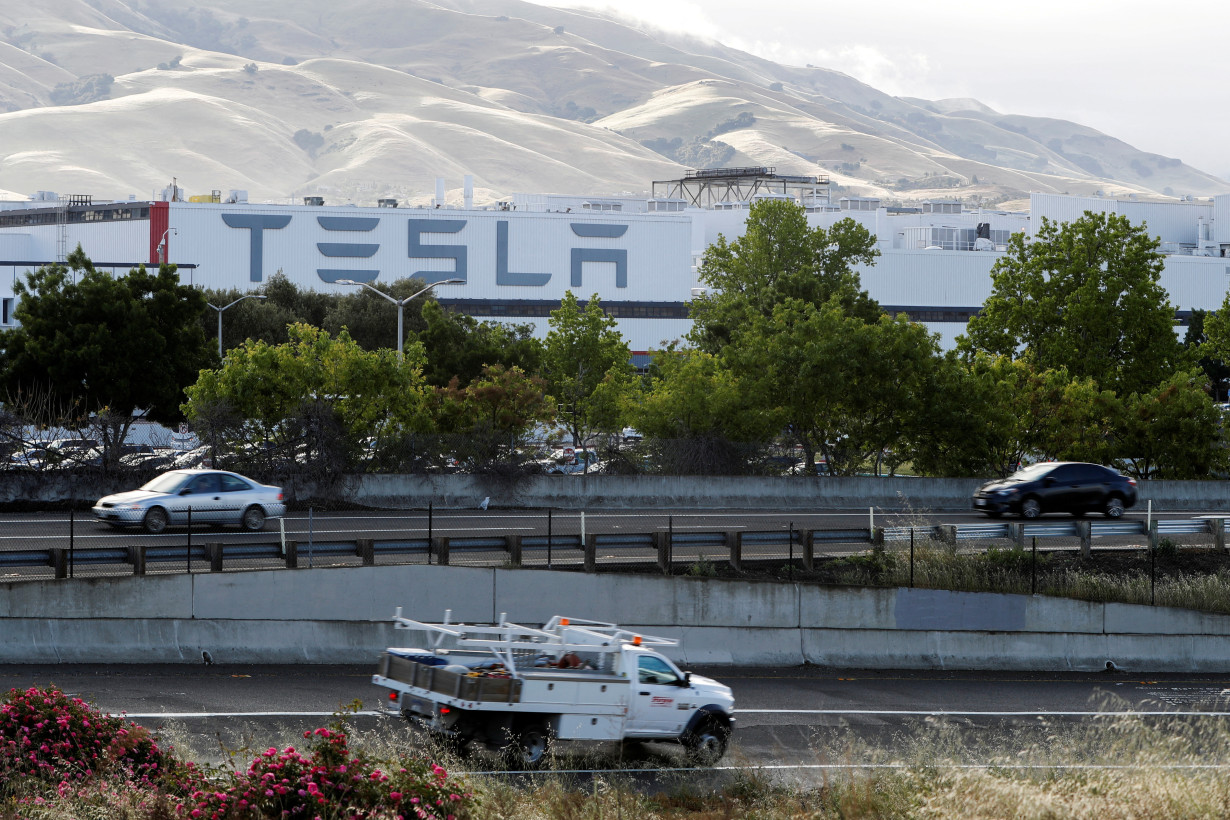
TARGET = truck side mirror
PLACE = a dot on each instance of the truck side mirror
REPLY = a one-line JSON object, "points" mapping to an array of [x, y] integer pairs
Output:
{"points": [[686, 680]]}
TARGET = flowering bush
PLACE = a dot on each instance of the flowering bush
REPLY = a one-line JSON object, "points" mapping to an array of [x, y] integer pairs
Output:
{"points": [[47, 735], [331, 781]]}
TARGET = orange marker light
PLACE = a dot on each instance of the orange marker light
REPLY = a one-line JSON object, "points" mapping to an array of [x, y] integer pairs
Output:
{"points": [[636, 641], [563, 622]]}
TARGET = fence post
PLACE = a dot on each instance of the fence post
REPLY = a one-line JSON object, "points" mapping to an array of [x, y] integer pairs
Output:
{"points": [[1153, 539], [439, 545], [214, 551], [1217, 526], [1085, 530], [734, 547], [514, 549], [659, 541], [292, 554], [1016, 531], [59, 561], [809, 550], [366, 550], [591, 552], [877, 537], [136, 557]]}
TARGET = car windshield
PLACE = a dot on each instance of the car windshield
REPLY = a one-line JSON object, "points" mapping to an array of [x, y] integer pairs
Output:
{"points": [[1033, 471], [167, 482]]}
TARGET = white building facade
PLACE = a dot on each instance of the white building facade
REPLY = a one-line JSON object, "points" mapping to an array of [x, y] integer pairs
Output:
{"points": [[517, 259]]}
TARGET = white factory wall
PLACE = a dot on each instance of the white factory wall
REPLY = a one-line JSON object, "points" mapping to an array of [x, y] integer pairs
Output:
{"points": [[542, 244]]}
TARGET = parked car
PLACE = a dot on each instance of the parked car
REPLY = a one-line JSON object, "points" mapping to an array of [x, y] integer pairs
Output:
{"points": [[215, 496], [1058, 486]]}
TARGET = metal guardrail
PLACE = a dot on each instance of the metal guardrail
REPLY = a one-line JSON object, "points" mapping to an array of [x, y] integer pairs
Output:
{"points": [[660, 545]]}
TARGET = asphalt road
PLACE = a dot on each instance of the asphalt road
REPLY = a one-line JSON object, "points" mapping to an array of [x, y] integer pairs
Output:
{"points": [[40, 530], [802, 719]]}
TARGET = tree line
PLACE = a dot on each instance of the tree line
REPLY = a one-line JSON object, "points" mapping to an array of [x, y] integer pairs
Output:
{"points": [[1074, 356]]}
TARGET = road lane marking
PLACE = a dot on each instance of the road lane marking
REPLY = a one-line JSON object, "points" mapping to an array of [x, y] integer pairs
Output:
{"points": [[896, 712], [968, 713]]}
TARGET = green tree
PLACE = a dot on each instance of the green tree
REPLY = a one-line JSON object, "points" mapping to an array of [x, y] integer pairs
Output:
{"points": [[1083, 296], [588, 368], [496, 412], [106, 348], [460, 346], [1196, 342], [845, 388], [780, 257], [1172, 431], [697, 415], [266, 320], [284, 393]]}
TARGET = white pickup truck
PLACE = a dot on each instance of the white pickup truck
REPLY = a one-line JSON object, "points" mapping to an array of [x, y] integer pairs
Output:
{"points": [[515, 687]]}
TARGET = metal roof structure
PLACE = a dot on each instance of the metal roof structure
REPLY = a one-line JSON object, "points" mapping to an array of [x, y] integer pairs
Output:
{"points": [[708, 187]]}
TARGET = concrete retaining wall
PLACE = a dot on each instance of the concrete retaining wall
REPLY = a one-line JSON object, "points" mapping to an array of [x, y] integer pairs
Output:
{"points": [[918, 495], [341, 616]]}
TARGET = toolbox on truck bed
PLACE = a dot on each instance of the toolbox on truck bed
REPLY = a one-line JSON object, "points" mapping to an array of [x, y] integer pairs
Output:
{"points": [[435, 678]]}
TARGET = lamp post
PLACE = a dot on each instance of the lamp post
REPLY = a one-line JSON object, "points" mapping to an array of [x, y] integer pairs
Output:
{"points": [[221, 309], [162, 244], [401, 303]]}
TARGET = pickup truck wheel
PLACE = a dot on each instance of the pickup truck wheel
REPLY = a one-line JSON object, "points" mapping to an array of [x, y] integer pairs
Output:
{"points": [[707, 743], [528, 748]]}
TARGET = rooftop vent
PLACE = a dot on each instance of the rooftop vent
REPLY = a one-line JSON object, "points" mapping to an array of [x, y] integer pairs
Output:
{"points": [[386, 203], [314, 201]]}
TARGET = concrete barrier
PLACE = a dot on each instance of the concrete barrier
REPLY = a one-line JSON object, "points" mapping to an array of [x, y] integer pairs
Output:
{"points": [[889, 494], [342, 616]]}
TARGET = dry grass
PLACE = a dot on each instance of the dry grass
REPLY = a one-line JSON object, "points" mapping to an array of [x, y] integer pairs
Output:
{"points": [[1113, 768]]}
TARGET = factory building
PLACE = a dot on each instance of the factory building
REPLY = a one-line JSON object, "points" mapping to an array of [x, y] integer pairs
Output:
{"points": [[516, 259]]}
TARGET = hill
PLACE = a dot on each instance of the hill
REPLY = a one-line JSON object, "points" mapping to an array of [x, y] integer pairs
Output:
{"points": [[376, 98]]}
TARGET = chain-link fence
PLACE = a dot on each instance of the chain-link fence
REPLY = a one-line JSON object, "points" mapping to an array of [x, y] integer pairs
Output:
{"points": [[1008, 557]]}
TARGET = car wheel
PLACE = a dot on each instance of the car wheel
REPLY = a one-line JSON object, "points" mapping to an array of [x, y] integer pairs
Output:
{"points": [[253, 519], [1030, 508], [1114, 507], [707, 743], [156, 521]]}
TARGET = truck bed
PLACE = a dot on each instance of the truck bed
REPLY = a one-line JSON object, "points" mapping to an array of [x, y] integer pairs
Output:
{"points": [[445, 682]]}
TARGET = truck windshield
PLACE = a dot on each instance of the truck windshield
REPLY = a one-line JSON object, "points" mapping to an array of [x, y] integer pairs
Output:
{"points": [[655, 670]]}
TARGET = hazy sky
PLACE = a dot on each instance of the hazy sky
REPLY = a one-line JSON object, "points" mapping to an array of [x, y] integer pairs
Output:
{"points": [[1150, 73]]}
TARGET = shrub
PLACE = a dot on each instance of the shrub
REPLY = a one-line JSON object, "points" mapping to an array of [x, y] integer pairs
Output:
{"points": [[331, 781], [48, 736]]}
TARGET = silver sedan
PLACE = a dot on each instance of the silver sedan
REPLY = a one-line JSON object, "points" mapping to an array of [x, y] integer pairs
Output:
{"points": [[213, 496]]}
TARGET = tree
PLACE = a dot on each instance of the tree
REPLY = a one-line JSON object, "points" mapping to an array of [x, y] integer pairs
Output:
{"points": [[496, 412], [1172, 431], [315, 390], [697, 415], [460, 346], [106, 348], [588, 368], [1196, 342], [780, 257], [845, 388], [1083, 296]]}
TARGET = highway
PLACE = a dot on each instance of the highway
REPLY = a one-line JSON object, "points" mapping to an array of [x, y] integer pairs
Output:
{"points": [[40, 530], [803, 719]]}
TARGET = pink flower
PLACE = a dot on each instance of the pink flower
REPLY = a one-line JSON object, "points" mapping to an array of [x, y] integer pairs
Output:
{"points": [[395, 795]]}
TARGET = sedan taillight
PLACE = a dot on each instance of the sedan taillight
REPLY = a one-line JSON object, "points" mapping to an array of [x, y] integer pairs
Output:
{"points": [[1132, 481]]}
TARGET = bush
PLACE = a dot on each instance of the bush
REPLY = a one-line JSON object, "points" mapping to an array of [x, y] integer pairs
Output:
{"points": [[48, 736], [331, 781]]}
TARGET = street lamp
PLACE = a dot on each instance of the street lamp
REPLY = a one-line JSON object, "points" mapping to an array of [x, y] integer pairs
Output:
{"points": [[401, 303], [232, 304], [162, 245]]}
